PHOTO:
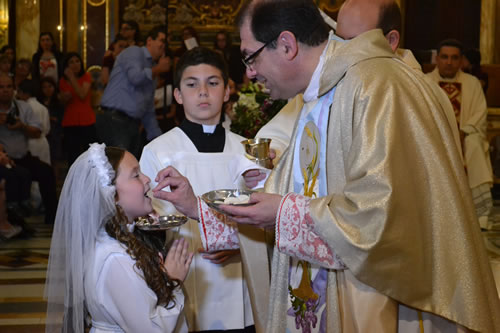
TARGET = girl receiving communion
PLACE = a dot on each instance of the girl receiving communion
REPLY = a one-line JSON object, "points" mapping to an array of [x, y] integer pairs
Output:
{"points": [[103, 272]]}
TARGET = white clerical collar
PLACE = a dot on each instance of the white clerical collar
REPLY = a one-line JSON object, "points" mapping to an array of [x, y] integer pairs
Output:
{"points": [[449, 79], [209, 128], [312, 89]]}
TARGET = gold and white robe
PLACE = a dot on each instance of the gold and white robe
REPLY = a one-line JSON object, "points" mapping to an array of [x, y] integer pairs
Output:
{"points": [[279, 129], [399, 213], [470, 107]]}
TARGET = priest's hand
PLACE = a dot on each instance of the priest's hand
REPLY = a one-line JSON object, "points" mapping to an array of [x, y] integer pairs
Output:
{"points": [[181, 193], [261, 214]]}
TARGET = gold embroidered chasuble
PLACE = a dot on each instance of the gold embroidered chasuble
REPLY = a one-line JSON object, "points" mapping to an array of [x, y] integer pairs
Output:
{"points": [[399, 211]]}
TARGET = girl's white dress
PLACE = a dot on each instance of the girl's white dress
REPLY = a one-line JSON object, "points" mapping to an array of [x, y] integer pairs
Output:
{"points": [[118, 298]]}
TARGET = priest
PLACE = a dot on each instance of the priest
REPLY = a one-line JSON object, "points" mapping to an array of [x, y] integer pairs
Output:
{"points": [[467, 98], [374, 225], [354, 18]]}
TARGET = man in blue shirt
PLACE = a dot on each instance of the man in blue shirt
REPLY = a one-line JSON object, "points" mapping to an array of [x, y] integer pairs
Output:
{"points": [[128, 99]]}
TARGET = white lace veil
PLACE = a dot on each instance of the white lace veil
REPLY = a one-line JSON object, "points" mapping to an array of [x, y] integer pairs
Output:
{"points": [[87, 201]]}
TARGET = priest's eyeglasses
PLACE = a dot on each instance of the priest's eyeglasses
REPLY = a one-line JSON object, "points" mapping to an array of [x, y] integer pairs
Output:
{"points": [[249, 61]]}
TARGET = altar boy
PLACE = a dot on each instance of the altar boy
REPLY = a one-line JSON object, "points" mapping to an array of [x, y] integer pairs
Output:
{"points": [[202, 150]]}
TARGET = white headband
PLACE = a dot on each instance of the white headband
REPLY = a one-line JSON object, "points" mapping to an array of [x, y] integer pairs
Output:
{"points": [[101, 164]]}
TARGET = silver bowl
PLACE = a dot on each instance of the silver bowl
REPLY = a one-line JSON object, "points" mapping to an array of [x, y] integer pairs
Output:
{"points": [[164, 222], [216, 198]]}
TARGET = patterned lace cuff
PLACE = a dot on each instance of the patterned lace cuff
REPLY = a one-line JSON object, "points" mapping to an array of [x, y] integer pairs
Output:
{"points": [[216, 231], [295, 235]]}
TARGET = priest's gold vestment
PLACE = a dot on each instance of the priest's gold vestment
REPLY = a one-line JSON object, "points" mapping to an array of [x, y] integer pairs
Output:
{"points": [[399, 211]]}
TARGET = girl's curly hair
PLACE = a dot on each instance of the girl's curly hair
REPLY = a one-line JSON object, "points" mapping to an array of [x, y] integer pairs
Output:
{"points": [[142, 246]]}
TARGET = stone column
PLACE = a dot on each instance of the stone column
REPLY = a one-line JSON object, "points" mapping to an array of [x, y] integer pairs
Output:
{"points": [[27, 28], [487, 32], [73, 35], [4, 22]]}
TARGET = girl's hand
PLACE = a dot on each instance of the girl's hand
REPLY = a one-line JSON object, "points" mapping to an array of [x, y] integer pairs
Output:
{"points": [[178, 260]]}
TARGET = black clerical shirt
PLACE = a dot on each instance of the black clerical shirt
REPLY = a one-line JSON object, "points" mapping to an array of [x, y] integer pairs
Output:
{"points": [[205, 142]]}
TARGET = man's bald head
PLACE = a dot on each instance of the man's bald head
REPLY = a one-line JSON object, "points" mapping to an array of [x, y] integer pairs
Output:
{"points": [[358, 16]]}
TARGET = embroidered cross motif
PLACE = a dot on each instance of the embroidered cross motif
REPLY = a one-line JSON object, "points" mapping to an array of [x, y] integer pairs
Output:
{"points": [[454, 92]]}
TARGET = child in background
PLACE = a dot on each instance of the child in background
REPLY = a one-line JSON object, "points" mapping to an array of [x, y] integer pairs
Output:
{"points": [[100, 264], [201, 149], [49, 97]]}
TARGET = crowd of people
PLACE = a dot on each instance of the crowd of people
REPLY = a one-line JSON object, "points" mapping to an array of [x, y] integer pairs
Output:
{"points": [[58, 90], [338, 238]]}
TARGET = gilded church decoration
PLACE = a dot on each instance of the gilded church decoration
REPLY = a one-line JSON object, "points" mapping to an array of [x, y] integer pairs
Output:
{"points": [[96, 3], [4, 22], [203, 15]]}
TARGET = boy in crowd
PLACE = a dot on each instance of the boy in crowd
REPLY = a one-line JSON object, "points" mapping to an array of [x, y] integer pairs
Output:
{"points": [[202, 150]]}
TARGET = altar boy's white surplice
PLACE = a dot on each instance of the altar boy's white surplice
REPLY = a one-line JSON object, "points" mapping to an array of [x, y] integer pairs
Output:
{"points": [[216, 295]]}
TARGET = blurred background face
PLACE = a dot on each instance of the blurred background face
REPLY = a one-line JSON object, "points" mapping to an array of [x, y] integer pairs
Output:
{"points": [[22, 95], [127, 31], [232, 87], [186, 34], [156, 46], [10, 54], [221, 41], [449, 60], [6, 89], [22, 69], [118, 47], [46, 42], [5, 65], [75, 65], [48, 89]]}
